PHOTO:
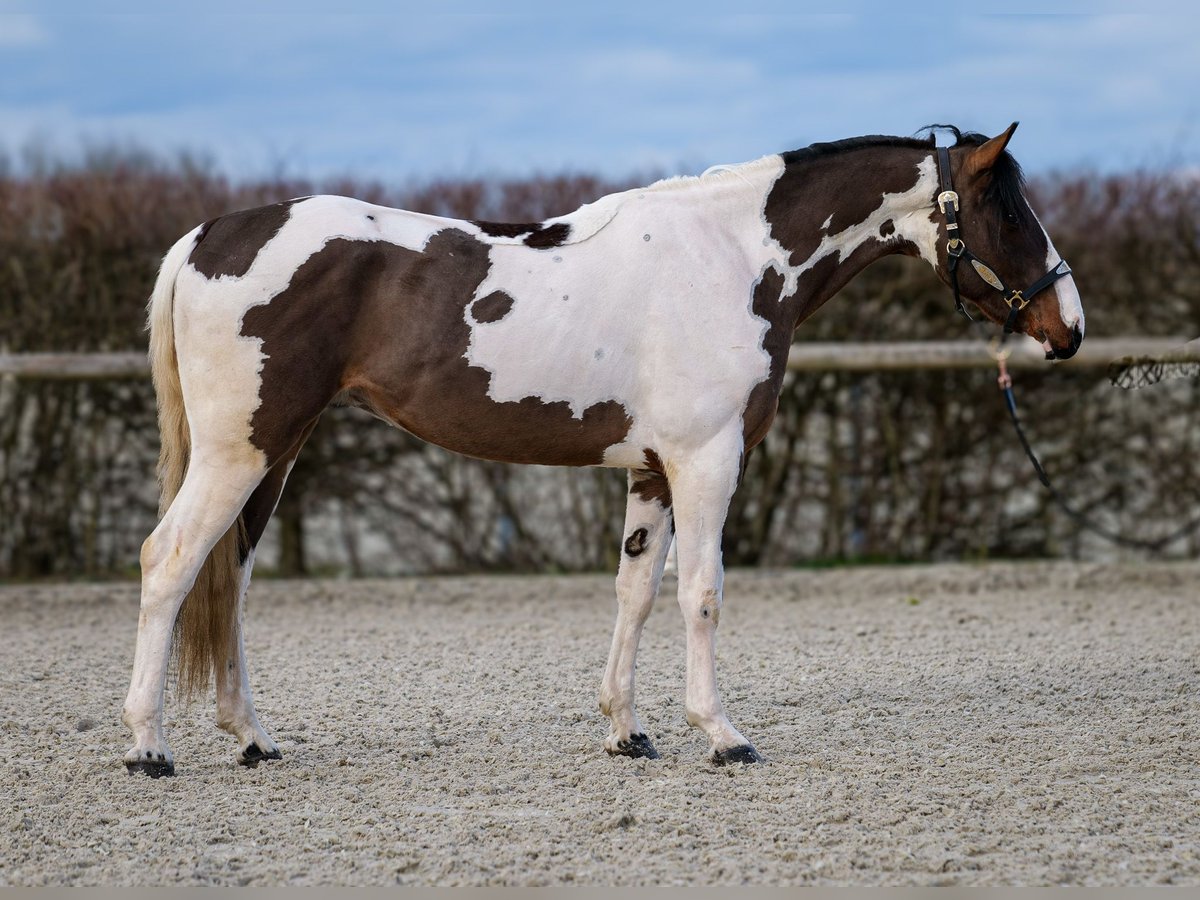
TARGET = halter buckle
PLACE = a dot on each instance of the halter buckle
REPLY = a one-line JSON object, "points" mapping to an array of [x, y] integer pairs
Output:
{"points": [[947, 197], [1018, 298]]}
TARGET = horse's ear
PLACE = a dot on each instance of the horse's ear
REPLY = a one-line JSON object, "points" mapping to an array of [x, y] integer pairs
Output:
{"points": [[985, 155]]}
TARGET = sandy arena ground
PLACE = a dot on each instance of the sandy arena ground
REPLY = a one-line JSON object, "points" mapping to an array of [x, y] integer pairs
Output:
{"points": [[999, 724]]}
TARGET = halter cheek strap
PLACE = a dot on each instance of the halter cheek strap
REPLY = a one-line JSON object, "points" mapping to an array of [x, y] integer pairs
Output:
{"points": [[956, 252]]}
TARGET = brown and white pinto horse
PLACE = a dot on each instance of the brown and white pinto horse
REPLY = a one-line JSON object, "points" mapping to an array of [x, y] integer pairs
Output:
{"points": [[648, 331]]}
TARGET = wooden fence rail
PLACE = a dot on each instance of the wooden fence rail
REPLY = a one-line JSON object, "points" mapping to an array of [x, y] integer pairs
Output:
{"points": [[840, 356]]}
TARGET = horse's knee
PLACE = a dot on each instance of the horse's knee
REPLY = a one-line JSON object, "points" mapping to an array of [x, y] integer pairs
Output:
{"points": [[705, 608]]}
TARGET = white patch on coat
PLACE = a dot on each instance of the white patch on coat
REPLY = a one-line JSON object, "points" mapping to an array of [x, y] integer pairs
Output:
{"points": [[655, 310]]}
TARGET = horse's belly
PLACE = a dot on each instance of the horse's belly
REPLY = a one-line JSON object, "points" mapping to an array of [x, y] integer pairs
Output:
{"points": [[460, 418]]}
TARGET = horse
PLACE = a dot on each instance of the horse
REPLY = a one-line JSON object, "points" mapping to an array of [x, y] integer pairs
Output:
{"points": [[648, 330]]}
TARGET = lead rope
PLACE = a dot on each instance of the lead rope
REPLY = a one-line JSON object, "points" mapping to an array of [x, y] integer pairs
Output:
{"points": [[1006, 387]]}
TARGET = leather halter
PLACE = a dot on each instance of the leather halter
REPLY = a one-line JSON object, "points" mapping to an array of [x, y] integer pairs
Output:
{"points": [[956, 252]]}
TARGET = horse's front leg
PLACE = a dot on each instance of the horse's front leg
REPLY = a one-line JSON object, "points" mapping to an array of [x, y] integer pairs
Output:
{"points": [[644, 544], [701, 488]]}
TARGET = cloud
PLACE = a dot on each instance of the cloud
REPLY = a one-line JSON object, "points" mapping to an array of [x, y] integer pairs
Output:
{"points": [[21, 30], [394, 96]]}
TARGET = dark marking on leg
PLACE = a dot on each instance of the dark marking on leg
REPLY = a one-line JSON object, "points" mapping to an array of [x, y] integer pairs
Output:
{"points": [[635, 544], [744, 754], [887, 229], [229, 245], [492, 308], [638, 746]]}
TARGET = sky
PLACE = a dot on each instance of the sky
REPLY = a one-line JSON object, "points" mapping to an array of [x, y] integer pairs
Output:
{"points": [[400, 95]]}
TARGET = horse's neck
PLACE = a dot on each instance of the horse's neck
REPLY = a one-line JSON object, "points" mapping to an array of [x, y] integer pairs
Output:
{"points": [[834, 216]]}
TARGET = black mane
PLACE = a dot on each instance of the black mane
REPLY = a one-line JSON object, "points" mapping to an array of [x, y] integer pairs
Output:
{"points": [[1007, 187], [832, 148]]}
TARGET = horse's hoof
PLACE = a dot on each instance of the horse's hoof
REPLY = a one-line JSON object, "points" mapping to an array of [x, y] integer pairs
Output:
{"points": [[254, 754], [150, 761], [744, 754], [155, 768], [638, 746]]}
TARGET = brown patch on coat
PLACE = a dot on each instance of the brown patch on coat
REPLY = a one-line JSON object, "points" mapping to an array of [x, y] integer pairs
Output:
{"points": [[651, 484], [492, 308], [548, 236], [821, 178], [538, 235], [384, 326], [506, 229], [229, 245], [781, 315], [848, 181], [261, 505]]}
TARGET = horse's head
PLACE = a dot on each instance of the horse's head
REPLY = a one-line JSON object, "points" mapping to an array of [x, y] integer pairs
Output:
{"points": [[999, 254]]}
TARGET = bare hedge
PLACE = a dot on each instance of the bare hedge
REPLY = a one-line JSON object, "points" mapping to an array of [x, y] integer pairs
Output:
{"points": [[910, 466]]}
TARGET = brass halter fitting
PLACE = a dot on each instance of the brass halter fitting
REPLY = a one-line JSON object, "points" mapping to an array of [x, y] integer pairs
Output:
{"points": [[1018, 298]]}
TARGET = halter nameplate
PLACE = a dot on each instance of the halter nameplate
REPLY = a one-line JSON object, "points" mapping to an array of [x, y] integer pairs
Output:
{"points": [[988, 275]]}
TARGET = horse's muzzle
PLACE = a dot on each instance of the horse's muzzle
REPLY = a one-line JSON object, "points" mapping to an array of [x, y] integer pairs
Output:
{"points": [[1066, 352]]}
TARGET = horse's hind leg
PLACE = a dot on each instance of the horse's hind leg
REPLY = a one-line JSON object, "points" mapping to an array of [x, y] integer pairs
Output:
{"points": [[235, 701], [213, 492], [645, 541]]}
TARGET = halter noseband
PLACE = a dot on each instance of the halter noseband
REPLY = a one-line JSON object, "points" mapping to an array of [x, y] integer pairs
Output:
{"points": [[956, 251]]}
